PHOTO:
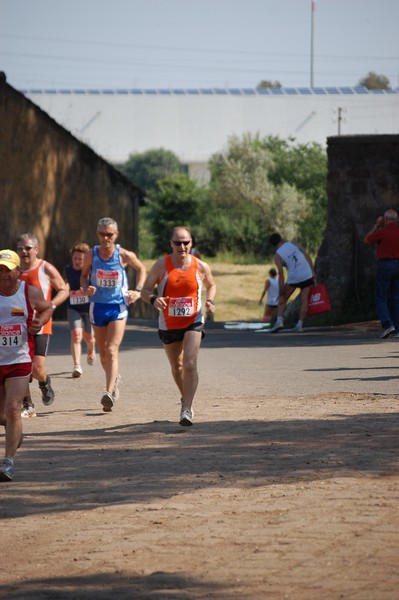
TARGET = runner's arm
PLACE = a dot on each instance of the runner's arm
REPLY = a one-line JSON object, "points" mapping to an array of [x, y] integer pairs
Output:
{"points": [[265, 288], [43, 309], [130, 258], [57, 283], [85, 274], [210, 285], [152, 280], [279, 264]]}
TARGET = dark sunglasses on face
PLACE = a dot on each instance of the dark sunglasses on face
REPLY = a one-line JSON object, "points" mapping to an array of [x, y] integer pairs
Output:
{"points": [[26, 248], [184, 242], [102, 234]]}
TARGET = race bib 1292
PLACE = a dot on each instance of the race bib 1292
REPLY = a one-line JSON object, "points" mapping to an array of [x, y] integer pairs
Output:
{"points": [[181, 307]]}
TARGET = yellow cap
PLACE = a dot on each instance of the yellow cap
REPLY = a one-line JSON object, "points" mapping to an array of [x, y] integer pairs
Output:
{"points": [[10, 259]]}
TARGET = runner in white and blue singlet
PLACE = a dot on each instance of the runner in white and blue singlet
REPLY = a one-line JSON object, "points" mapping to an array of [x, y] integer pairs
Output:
{"points": [[109, 302], [104, 280]]}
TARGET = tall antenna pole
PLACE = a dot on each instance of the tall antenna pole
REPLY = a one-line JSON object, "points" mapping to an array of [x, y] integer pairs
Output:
{"points": [[312, 43]]}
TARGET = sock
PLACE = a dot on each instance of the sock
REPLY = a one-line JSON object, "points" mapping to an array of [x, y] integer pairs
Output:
{"points": [[300, 323], [279, 321]]}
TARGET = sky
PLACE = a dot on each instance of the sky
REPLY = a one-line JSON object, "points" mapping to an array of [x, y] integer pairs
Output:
{"points": [[114, 44]]}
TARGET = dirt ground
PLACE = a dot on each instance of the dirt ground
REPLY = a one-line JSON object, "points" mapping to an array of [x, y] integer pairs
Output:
{"points": [[286, 487]]}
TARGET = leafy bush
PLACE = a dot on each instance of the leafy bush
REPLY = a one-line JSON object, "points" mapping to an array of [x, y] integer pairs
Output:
{"points": [[258, 185], [147, 168], [178, 200]]}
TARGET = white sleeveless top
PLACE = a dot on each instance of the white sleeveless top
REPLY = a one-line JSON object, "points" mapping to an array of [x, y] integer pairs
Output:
{"points": [[273, 292], [298, 268], [16, 344]]}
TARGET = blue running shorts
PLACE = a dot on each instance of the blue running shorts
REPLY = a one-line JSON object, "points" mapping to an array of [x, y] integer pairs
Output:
{"points": [[102, 314]]}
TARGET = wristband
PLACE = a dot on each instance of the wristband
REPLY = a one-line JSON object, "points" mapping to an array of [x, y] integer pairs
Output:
{"points": [[138, 288], [152, 299]]}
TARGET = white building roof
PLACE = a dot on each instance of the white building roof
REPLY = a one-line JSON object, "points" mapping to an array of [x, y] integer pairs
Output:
{"points": [[196, 123]]}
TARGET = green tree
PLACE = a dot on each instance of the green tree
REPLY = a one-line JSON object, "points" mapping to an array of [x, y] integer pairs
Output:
{"points": [[246, 204], [178, 200], [265, 83], [147, 168], [372, 81], [303, 167]]}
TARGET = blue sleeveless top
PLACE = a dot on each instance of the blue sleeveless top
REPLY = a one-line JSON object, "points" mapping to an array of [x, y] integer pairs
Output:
{"points": [[109, 277], [78, 301]]}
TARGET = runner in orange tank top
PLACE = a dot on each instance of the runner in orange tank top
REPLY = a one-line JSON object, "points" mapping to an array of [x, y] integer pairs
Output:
{"points": [[179, 278], [45, 276], [183, 289]]}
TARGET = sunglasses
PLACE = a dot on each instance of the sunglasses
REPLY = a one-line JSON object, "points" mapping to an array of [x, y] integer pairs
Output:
{"points": [[26, 248], [107, 235], [184, 242]]}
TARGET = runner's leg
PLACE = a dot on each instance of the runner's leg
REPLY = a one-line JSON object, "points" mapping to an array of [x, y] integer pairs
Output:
{"points": [[174, 352], [15, 390]]}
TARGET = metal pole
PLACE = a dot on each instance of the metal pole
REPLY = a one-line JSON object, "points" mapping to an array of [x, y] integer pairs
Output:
{"points": [[312, 43]]}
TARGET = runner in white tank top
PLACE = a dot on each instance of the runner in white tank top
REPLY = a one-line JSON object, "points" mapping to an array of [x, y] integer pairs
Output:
{"points": [[300, 274], [23, 311]]}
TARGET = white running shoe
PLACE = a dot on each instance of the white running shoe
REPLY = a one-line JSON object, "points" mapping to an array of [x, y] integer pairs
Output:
{"points": [[276, 327], [91, 359], [107, 402], [6, 470], [186, 417], [28, 408], [28, 412], [298, 328], [77, 371]]}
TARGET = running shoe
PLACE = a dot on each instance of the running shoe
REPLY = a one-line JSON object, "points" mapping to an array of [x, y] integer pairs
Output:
{"points": [[47, 392], [91, 359], [298, 328], [107, 401], [115, 391], [388, 332], [28, 408], [186, 417], [77, 371], [276, 327], [6, 470]]}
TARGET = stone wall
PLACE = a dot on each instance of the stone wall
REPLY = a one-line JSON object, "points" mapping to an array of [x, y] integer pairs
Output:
{"points": [[363, 181], [54, 186]]}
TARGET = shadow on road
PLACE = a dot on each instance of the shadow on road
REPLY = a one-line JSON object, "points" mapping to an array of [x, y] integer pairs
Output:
{"points": [[103, 586], [86, 469], [143, 335]]}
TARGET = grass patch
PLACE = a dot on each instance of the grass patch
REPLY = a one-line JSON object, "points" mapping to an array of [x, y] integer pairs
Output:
{"points": [[235, 259]]}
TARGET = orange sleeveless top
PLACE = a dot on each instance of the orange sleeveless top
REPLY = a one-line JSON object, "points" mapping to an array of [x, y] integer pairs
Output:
{"points": [[183, 288], [37, 277]]}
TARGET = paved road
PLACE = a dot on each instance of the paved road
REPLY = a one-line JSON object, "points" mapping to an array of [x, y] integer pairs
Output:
{"points": [[285, 487], [235, 363]]}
